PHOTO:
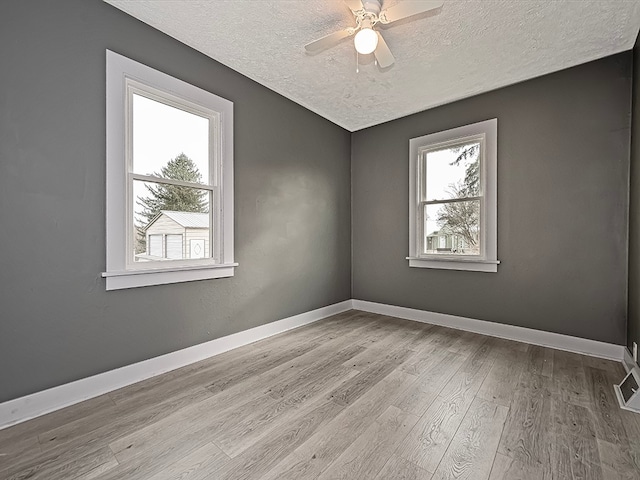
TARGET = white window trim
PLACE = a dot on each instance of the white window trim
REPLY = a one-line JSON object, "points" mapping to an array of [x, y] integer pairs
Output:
{"points": [[120, 272], [487, 261]]}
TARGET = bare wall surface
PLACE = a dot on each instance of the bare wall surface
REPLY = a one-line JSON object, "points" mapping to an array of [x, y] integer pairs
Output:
{"points": [[633, 332], [563, 171], [292, 203]]}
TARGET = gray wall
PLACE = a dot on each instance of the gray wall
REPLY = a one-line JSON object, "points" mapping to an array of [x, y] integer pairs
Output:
{"points": [[563, 162], [292, 203], [633, 332]]}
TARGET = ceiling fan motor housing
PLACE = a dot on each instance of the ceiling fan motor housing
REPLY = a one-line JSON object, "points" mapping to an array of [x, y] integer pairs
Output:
{"points": [[372, 6]]}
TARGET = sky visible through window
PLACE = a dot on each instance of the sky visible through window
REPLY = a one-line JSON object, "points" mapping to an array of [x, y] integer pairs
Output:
{"points": [[441, 174], [162, 132]]}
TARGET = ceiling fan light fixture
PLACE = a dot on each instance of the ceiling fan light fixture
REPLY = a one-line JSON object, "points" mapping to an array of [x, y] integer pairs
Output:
{"points": [[366, 41]]}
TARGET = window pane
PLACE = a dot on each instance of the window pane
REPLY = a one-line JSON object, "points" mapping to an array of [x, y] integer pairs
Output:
{"points": [[169, 142], [453, 172], [170, 222], [452, 228]]}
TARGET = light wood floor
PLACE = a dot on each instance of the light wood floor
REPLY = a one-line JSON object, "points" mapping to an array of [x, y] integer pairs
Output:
{"points": [[355, 396]]}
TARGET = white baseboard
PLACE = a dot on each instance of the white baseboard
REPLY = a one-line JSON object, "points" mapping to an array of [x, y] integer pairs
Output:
{"points": [[511, 332], [46, 401], [627, 361]]}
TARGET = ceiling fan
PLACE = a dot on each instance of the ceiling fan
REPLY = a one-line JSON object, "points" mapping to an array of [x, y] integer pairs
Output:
{"points": [[368, 14]]}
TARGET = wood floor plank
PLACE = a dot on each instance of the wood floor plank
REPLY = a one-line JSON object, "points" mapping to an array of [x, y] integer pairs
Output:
{"points": [[224, 424], [571, 419], [608, 423], [54, 469], [151, 461], [528, 430], [102, 425], [467, 343], [614, 458], [585, 459], [198, 465], [539, 361], [469, 377], [559, 464], [287, 373], [443, 337], [500, 384], [427, 442], [504, 346], [570, 379], [266, 361], [238, 436], [222, 375], [226, 407], [471, 452], [322, 448], [16, 434], [395, 334], [310, 374], [80, 438], [98, 471], [194, 421], [26, 445], [256, 462], [366, 456], [87, 440], [631, 423], [379, 330], [350, 391], [507, 468], [424, 360], [613, 368], [430, 382], [421, 337], [398, 468]]}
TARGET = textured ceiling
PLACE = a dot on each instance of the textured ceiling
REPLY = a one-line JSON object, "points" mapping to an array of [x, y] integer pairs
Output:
{"points": [[471, 46]]}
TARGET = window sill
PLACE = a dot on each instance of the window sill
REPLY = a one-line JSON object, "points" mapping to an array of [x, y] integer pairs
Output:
{"points": [[469, 264], [142, 278]]}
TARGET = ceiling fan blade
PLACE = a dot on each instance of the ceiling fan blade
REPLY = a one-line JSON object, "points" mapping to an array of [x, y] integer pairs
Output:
{"points": [[383, 54], [354, 5], [328, 40], [408, 8]]}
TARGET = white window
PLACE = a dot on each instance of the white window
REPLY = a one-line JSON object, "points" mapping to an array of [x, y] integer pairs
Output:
{"points": [[453, 199], [169, 171]]}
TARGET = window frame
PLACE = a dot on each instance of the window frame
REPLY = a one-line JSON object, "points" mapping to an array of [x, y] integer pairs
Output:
{"points": [[126, 78], [212, 185], [485, 133]]}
